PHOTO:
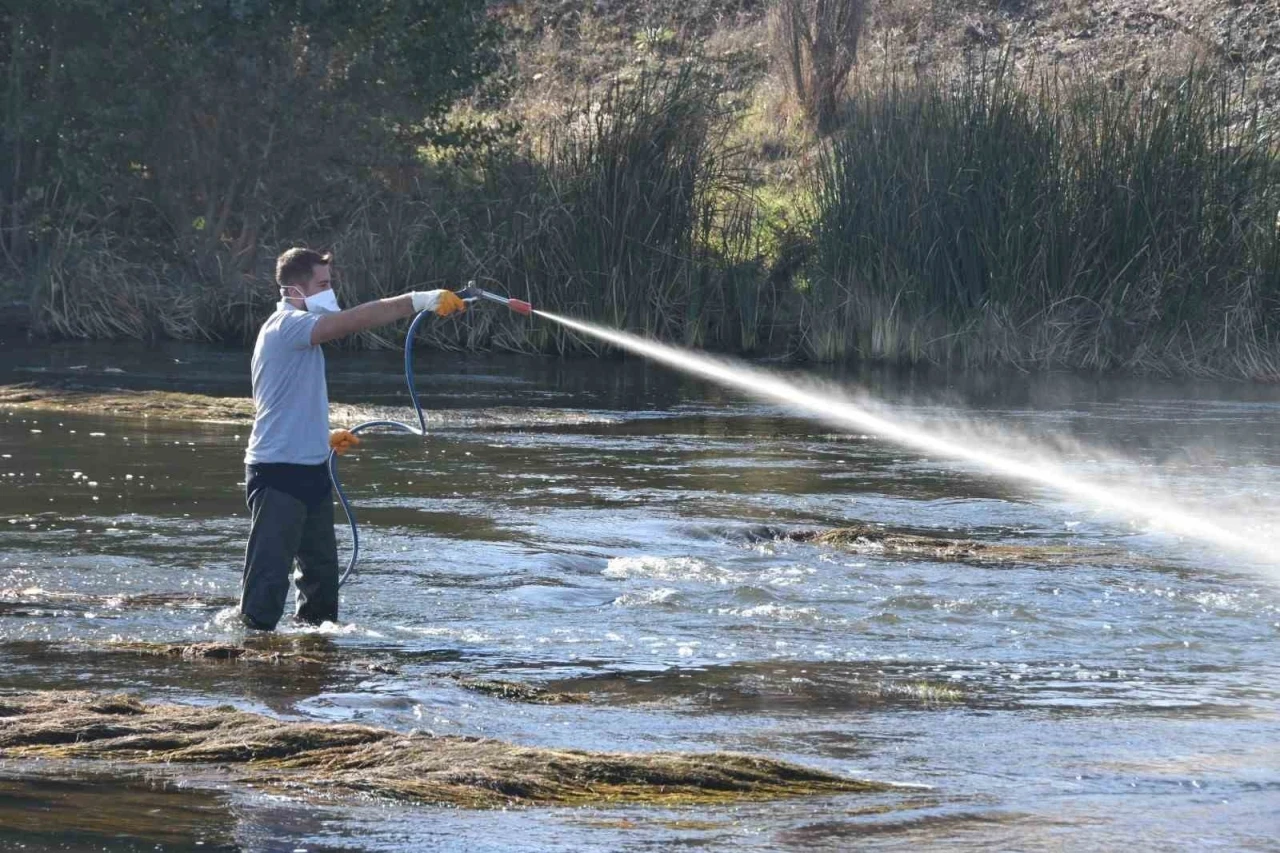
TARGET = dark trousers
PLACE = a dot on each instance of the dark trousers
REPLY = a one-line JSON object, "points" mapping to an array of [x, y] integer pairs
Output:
{"points": [[285, 528]]}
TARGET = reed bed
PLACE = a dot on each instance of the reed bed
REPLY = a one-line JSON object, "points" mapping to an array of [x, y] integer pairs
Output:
{"points": [[1047, 226], [989, 222]]}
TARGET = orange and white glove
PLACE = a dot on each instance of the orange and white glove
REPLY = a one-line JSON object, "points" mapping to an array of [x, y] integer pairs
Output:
{"points": [[342, 440], [443, 302]]}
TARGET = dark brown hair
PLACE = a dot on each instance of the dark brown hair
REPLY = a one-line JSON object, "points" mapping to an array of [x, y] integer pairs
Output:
{"points": [[294, 267]]}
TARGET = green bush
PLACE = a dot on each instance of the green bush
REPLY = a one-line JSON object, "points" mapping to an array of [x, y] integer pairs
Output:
{"points": [[192, 137]]}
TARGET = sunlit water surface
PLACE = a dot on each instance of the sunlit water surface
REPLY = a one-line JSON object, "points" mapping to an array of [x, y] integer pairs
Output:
{"points": [[597, 526]]}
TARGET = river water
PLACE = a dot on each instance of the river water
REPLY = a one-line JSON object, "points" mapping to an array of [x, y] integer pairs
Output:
{"points": [[602, 527]]}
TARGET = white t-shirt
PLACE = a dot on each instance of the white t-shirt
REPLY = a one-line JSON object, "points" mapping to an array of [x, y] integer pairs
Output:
{"points": [[291, 399]]}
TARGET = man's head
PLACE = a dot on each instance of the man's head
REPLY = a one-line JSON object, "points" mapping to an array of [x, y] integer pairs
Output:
{"points": [[301, 273]]}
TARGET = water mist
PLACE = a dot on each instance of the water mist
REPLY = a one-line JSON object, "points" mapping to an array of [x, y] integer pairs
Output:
{"points": [[829, 406]]}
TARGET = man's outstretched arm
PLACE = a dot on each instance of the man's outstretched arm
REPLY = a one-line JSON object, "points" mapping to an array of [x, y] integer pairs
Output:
{"points": [[380, 312]]}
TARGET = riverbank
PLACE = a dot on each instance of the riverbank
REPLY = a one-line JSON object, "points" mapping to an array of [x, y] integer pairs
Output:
{"points": [[1040, 186]]}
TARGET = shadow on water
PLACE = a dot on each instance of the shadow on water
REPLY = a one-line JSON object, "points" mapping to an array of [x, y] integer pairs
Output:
{"points": [[925, 830], [76, 807], [84, 810], [275, 686]]}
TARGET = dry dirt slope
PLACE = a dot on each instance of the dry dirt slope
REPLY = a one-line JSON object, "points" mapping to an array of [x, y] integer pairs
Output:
{"points": [[568, 42], [1094, 37]]}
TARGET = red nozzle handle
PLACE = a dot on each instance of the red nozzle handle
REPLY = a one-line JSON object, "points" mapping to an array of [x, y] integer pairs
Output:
{"points": [[520, 306]]}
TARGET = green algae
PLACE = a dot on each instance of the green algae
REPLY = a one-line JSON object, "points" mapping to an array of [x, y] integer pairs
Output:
{"points": [[216, 652], [120, 402], [515, 691], [875, 539], [345, 759]]}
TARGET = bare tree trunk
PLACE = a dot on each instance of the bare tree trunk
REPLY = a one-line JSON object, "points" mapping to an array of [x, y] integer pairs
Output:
{"points": [[12, 245], [800, 47], [818, 40]]}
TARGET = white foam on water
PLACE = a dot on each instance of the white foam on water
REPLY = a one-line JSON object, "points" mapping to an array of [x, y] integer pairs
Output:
{"points": [[328, 629], [646, 598], [1027, 461], [227, 620], [771, 612], [460, 634], [668, 569]]}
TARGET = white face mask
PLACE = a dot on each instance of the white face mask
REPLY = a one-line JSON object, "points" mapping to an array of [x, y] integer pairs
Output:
{"points": [[324, 302]]}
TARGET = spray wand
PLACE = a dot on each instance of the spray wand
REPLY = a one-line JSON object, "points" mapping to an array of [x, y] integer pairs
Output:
{"points": [[469, 294], [472, 292]]}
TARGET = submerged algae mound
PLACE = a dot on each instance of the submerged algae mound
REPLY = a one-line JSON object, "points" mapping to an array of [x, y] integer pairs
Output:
{"points": [[34, 601], [215, 652], [512, 691], [874, 539], [203, 408], [120, 402], [354, 759], [809, 687], [146, 403]]}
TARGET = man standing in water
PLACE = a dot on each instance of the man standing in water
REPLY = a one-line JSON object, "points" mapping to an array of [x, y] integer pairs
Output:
{"points": [[286, 476]]}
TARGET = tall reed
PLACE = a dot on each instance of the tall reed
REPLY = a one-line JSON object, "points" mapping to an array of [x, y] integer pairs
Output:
{"points": [[621, 213], [630, 210], [1051, 225]]}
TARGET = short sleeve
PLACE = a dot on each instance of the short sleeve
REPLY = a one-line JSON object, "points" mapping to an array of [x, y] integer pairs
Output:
{"points": [[295, 328]]}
